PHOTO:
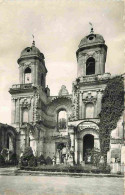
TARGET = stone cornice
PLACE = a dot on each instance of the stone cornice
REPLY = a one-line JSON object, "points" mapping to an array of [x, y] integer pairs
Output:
{"points": [[33, 57], [95, 45]]}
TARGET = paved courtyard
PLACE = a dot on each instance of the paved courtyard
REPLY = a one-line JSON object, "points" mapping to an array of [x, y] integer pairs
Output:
{"points": [[56, 185]]}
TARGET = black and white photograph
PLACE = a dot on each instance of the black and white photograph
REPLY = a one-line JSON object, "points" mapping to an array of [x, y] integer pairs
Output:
{"points": [[62, 97]]}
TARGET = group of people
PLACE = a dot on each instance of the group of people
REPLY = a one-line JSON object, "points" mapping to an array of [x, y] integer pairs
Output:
{"points": [[64, 156]]}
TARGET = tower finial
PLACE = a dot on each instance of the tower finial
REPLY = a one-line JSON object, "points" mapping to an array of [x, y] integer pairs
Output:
{"points": [[33, 44], [91, 26]]}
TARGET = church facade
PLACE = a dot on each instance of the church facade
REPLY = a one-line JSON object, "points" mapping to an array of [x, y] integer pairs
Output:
{"points": [[51, 124]]}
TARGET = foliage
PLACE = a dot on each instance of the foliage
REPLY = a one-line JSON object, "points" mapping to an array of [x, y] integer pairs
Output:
{"points": [[60, 146], [28, 153], [2, 161], [68, 169], [32, 162], [4, 152], [49, 161], [24, 162], [41, 159], [111, 111], [13, 159], [95, 156]]}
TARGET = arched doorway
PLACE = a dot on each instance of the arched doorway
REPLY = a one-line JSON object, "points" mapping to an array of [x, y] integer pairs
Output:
{"points": [[61, 150], [88, 144]]}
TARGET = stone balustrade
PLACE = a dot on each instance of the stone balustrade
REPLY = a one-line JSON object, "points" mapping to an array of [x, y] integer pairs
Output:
{"points": [[22, 86]]}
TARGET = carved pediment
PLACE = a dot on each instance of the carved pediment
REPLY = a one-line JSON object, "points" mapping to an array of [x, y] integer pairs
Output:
{"points": [[88, 125], [25, 102], [90, 97]]}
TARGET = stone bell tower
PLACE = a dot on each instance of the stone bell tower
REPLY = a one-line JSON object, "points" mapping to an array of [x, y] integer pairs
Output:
{"points": [[32, 84], [28, 96], [91, 55], [87, 94], [32, 67]]}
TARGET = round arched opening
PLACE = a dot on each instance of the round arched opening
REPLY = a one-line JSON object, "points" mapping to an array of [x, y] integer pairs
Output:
{"points": [[62, 120], [27, 75], [88, 145], [90, 66]]}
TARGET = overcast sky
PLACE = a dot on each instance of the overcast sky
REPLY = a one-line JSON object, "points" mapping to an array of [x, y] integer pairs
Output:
{"points": [[58, 26]]}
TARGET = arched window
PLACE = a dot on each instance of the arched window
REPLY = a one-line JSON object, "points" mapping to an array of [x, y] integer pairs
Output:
{"points": [[89, 110], [62, 120], [90, 66], [25, 115], [27, 74]]}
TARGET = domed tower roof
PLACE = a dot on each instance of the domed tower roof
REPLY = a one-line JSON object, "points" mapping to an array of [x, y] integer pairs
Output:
{"points": [[30, 52], [91, 55], [91, 39], [63, 91]]}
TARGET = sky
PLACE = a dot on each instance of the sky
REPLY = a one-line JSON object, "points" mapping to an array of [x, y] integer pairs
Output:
{"points": [[58, 27]]}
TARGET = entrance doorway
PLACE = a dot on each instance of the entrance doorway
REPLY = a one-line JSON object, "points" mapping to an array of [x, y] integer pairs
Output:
{"points": [[61, 148], [88, 145]]}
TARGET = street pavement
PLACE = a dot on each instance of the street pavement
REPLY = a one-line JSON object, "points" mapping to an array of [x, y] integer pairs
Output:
{"points": [[26, 184]]}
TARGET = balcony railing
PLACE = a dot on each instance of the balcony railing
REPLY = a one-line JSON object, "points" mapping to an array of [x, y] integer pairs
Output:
{"points": [[22, 86]]}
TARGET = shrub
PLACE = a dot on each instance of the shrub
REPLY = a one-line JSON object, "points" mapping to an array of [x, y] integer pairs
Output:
{"points": [[104, 168], [49, 161], [41, 160], [13, 159], [24, 162], [32, 162], [28, 153], [68, 168], [4, 153], [2, 161]]}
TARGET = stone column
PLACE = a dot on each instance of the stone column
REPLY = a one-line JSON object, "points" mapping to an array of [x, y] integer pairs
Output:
{"points": [[27, 135], [99, 98], [21, 115], [13, 110], [102, 63], [76, 149], [37, 74], [33, 74], [80, 151], [97, 63], [95, 109], [83, 109], [30, 109], [96, 142], [41, 146], [71, 132], [21, 74], [84, 65], [79, 66], [80, 105], [17, 110]]}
